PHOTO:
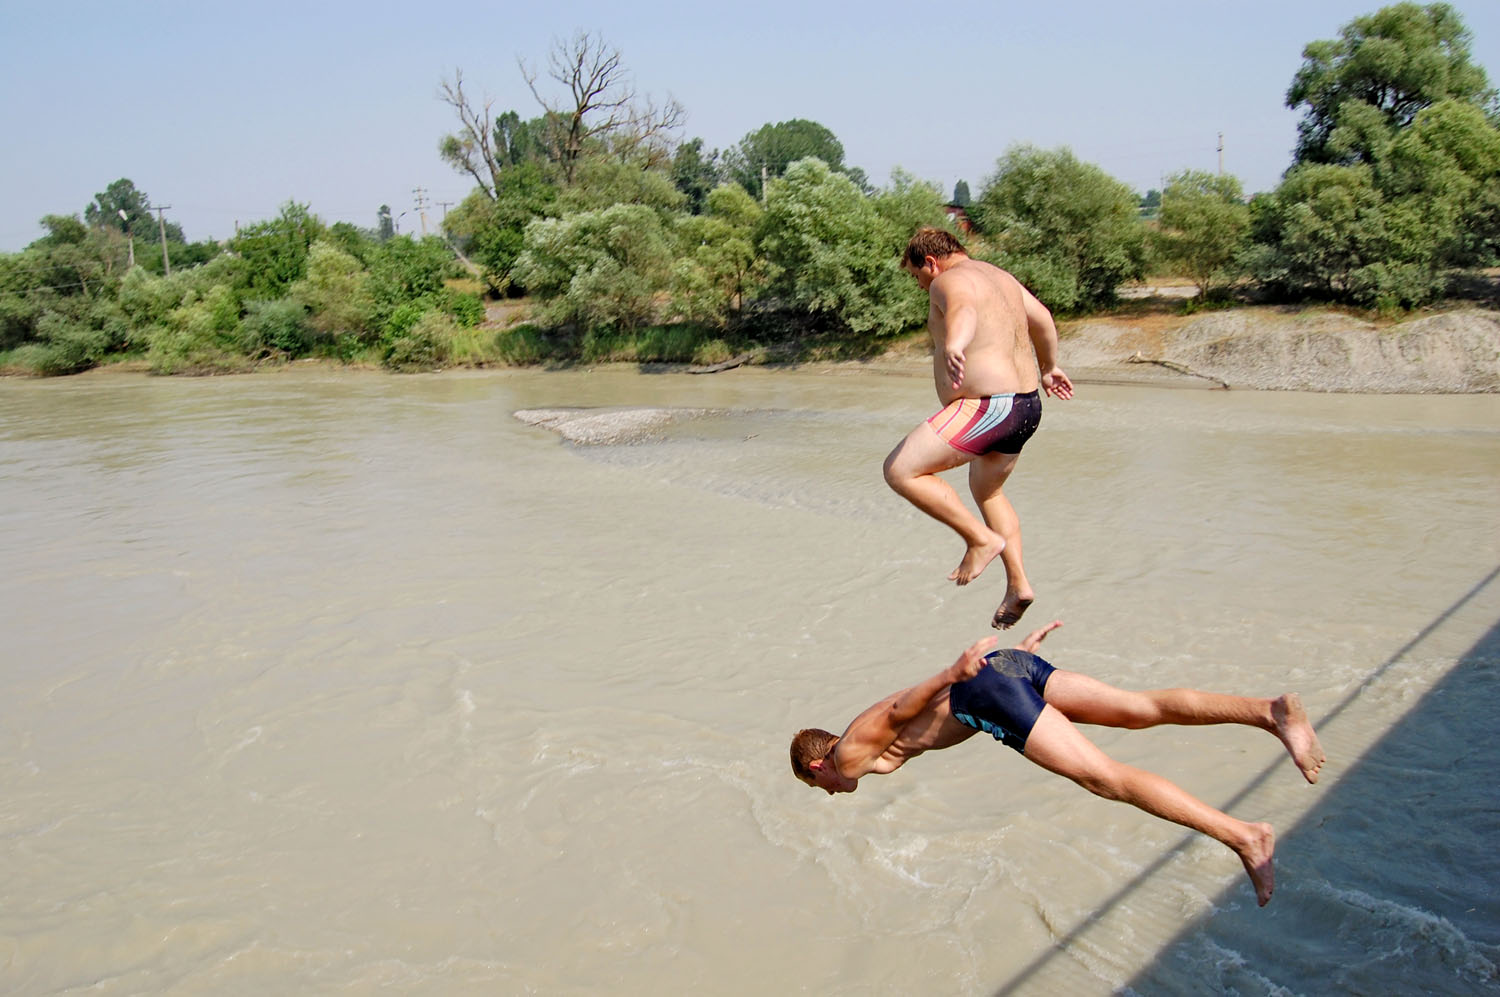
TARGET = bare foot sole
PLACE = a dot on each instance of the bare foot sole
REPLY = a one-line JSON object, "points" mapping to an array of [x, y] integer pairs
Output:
{"points": [[1257, 859], [1296, 732], [976, 560], [1010, 611]]}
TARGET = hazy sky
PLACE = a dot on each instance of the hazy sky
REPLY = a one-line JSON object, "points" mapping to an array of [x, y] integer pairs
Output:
{"points": [[225, 111]]}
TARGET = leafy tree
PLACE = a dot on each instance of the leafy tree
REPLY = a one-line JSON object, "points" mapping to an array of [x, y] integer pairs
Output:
{"points": [[716, 260], [275, 251], [1384, 68], [123, 195], [407, 269], [829, 252], [1204, 226], [695, 174], [1066, 229], [335, 297], [492, 228], [961, 194], [1320, 231], [1445, 171], [772, 148], [909, 203], [598, 268], [604, 180]]}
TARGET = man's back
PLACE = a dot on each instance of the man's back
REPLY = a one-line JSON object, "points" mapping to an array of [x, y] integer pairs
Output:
{"points": [[999, 359]]}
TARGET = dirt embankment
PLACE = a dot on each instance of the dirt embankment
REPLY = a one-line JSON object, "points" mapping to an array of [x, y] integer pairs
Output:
{"points": [[1281, 349]]}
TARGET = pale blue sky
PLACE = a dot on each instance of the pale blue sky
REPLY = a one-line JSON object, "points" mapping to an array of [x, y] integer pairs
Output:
{"points": [[225, 111]]}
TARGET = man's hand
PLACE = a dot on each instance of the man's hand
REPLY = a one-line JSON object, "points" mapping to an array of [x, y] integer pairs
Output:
{"points": [[1034, 639], [955, 367], [971, 662], [1056, 384]]}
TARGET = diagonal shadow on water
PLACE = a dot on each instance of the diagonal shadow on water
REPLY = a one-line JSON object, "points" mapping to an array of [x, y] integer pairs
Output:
{"points": [[1395, 882]]}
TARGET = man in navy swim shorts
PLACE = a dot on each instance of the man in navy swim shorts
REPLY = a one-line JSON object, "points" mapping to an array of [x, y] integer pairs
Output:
{"points": [[1026, 703], [994, 351]]}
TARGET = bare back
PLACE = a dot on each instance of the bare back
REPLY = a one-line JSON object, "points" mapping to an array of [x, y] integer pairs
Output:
{"points": [[999, 358], [930, 730]]}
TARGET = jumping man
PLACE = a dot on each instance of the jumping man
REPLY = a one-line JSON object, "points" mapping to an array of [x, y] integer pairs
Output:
{"points": [[1026, 703], [993, 342]]}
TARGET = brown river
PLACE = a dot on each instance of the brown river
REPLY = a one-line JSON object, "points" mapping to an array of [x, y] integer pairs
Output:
{"points": [[322, 682]]}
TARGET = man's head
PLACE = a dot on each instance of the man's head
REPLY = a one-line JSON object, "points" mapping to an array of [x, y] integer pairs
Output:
{"points": [[812, 762], [927, 252]]}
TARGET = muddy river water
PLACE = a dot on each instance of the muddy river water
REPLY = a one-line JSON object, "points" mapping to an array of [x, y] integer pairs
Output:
{"points": [[323, 681]]}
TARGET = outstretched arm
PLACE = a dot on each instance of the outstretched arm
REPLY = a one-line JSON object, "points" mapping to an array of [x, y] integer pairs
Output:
{"points": [[877, 728], [1043, 333]]}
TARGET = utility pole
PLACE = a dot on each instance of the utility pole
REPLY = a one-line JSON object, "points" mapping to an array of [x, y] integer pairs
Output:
{"points": [[421, 193], [445, 205], [129, 234], [1221, 154], [166, 264]]}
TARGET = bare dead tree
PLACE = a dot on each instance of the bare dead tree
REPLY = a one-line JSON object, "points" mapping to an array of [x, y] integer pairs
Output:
{"points": [[472, 150], [604, 105]]}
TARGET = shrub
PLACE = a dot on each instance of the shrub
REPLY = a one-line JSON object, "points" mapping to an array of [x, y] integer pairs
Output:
{"points": [[424, 345], [280, 326]]}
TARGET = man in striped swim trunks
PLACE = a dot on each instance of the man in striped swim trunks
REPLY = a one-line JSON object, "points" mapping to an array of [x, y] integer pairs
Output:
{"points": [[993, 346]]}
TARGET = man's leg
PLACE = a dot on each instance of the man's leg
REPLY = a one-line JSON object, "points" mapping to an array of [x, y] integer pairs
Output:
{"points": [[1057, 746], [912, 470], [1086, 700], [987, 475]]}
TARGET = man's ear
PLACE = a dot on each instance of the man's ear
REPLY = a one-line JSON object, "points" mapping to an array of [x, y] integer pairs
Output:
{"points": [[816, 765]]}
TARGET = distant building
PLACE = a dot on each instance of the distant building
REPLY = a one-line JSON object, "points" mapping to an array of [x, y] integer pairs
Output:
{"points": [[960, 217]]}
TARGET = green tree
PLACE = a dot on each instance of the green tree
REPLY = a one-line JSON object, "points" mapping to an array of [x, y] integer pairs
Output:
{"points": [[1320, 232], [829, 252], [909, 204], [961, 195], [1359, 90], [123, 195], [491, 228], [772, 148], [1204, 224], [695, 174], [1066, 229], [275, 251], [716, 263], [336, 297], [598, 269]]}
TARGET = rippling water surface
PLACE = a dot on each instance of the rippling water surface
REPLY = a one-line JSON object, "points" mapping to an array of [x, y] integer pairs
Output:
{"points": [[319, 681]]}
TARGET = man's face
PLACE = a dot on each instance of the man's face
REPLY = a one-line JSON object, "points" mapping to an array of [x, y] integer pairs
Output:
{"points": [[826, 777], [925, 273]]}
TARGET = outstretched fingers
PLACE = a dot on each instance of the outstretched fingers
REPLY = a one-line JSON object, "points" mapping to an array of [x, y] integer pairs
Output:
{"points": [[971, 662], [1034, 639]]}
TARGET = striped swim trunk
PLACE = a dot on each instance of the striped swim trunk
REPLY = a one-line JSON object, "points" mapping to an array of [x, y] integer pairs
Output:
{"points": [[995, 424]]}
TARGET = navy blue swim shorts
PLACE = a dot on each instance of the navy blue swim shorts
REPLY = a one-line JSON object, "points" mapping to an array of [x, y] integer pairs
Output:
{"points": [[1005, 698]]}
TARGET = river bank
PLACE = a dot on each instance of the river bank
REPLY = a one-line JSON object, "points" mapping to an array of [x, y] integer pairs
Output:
{"points": [[1262, 347], [1269, 348]]}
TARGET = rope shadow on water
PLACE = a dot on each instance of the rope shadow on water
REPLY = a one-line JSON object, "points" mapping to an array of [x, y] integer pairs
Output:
{"points": [[1145, 981]]}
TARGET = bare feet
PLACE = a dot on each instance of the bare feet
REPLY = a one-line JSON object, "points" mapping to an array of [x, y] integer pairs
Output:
{"points": [[976, 559], [1256, 855], [1011, 608], [1296, 732]]}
